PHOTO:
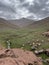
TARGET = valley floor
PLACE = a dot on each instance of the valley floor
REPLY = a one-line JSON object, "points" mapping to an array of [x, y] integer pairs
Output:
{"points": [[20, 37]]}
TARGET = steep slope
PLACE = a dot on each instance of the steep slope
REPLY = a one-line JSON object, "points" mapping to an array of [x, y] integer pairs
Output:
{"points": [[6, 24], [21, 22], [40, 23]]}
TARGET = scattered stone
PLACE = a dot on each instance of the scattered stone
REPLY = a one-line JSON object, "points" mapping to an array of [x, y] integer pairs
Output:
{"points": [[47, 52], [33, 43], [39, 52], [42, 41], [8, 44], [37, 40], [39, 44], [23, 45], [36, 46], [48, 40], [46, 34], [47, 60], [33, 48], [30, 44]]}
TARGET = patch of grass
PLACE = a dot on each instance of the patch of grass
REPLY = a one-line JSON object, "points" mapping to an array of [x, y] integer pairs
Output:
{"points": [[44, 56], [22, 36]]}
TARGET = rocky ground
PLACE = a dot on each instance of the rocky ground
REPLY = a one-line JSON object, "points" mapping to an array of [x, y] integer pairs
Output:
{"points": [[18, 57]]}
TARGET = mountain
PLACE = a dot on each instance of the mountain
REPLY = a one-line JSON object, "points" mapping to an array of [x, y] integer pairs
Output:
{"points": [[40, 23], [6, 24], [23, 22]]}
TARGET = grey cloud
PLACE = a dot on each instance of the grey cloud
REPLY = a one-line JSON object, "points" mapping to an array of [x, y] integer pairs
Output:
{"points": [[7, 11], [22, 8], [37, 8], [5, 7]]}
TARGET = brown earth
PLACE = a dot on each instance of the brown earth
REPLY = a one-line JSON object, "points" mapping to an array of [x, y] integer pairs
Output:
{"points": [[18, 57]]}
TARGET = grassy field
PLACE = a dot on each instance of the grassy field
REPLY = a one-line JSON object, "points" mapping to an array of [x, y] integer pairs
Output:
{"points": [[18, 37]]}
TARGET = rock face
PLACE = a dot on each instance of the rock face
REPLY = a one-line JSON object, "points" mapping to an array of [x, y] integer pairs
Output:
{"points": [[18, 57], [46, 34]]}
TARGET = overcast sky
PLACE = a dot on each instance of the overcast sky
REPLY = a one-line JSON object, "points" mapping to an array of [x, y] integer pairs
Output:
{"points": [[15, 9]]}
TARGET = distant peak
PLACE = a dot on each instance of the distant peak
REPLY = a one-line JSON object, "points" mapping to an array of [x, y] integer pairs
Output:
{"points": [[23, 18]]}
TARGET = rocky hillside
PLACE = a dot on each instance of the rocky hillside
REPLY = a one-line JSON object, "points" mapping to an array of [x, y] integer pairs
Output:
{"points": [[21, 22], [40, 23], [6, 24]]}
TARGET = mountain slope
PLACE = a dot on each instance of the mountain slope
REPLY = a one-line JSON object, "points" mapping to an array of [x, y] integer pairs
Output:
{"points": [[6, 24], [40, 23], [21, 22]]}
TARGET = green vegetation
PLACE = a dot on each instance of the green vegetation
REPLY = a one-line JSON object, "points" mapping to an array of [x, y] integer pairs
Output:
{"points": [[18, 37], [44, 56]]}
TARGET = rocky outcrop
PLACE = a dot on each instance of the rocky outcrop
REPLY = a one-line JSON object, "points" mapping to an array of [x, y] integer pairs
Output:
{"points": [[46, 34], [18, 57]]}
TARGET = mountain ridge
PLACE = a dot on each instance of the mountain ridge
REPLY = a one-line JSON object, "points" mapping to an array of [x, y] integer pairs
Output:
{"points": [[23, 22], [43, 22], [6, 24]]}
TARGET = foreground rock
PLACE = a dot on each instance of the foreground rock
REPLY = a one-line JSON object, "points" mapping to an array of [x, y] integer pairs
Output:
{"points": [[18, 57]]}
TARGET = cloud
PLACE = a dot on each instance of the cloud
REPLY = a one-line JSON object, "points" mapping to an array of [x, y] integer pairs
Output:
{"points": [[47, 2], [34, 9]]}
